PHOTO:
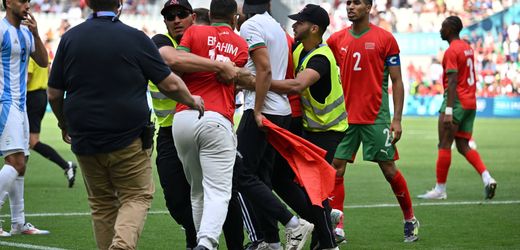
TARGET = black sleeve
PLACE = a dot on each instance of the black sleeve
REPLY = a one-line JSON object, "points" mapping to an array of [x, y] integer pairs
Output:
{"points": [[321, 89], [320, 64], [151, 61], [161, 40]]}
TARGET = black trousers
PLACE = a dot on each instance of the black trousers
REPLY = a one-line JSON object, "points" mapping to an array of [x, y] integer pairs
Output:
{"points": [[177, 194], [255, 175], [296, 197]]}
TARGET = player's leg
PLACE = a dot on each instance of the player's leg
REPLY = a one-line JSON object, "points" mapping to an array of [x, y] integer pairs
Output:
{"points": [[36, 107], [175, 187], [462, 138], [443, 163], [345, 152], [377, 147]]}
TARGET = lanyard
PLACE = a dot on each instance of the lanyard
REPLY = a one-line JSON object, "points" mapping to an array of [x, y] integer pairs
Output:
{"points": [[310, 52]]}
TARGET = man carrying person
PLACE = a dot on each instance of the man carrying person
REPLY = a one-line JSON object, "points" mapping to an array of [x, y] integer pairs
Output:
{"points": [[324, 117], [207, 145]]}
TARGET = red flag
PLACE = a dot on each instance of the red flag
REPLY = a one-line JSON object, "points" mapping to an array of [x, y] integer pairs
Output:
{"points": [[307, 161]]}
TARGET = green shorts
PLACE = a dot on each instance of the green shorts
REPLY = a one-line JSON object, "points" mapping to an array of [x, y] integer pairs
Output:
{"points": [[462, 117], [376, 139]]}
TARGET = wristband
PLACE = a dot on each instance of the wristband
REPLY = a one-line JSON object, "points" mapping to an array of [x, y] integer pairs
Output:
{"points": [[449, 111]]}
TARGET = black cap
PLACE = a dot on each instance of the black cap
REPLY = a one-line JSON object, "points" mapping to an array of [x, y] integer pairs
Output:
{"points": [[171, 3], [255, 6], [314, 14]]}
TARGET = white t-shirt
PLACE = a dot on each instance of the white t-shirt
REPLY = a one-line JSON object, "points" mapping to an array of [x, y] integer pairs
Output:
{"points": [[262, 30]]}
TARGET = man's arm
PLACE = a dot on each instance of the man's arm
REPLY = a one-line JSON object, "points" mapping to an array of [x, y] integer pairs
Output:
{"points": [[173, 87], [452, 87], [263, 80], [39, 55], [182, 61], [398, 98], [303, 80], [56, 97]]}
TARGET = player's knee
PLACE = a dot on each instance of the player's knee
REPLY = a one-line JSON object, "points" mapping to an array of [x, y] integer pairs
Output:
{"points": [[340, 166]]}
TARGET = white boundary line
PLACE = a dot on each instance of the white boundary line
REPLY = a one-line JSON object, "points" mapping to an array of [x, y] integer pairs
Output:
{"points": [[27, 246], [383, 205]]}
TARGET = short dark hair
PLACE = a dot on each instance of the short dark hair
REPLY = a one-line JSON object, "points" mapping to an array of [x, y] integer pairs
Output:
{"points": [[455, 23], [223, 9], [99, 5], [5, 4], [202, 15], [368, 2]]}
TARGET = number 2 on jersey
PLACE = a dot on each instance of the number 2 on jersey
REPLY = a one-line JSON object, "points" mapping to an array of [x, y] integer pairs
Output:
{"points": [[471, 78], [357, 55]]}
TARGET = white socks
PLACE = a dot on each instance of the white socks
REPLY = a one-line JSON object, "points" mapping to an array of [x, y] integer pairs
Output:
{"points": [[293, 223], [441, 188], [16, 201], [7, 176], [486, 177]]}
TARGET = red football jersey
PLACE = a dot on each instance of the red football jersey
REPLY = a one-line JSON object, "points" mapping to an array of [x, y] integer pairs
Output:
{"points": [[216, 42], [459, 58], [364, 71], [336, 44]]}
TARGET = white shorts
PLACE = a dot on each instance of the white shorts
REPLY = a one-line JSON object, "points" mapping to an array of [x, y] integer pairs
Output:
{"points": [[14, 131]]}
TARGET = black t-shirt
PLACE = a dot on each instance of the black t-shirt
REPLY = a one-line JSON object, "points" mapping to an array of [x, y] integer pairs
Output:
{"points": [[162, 40], [104, 67], [321, 89]]}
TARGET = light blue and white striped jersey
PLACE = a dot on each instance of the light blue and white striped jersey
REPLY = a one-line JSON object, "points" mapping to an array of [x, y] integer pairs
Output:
{"points": [[16, 47]]}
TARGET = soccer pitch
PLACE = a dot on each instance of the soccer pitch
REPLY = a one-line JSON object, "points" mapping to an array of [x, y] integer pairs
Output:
{"points": [[372, 218]]}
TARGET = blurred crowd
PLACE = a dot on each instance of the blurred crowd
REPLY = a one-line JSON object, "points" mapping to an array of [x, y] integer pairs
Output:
{"points": [[416, 15], [496, 63], [74, 8]]}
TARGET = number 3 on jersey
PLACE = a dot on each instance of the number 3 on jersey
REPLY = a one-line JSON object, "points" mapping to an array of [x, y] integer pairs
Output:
{"points": [[357, 55], [471, 78]]}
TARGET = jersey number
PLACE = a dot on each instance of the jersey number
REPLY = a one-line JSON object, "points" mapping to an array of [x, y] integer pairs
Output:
{"points": [[357, 55], [471, 78], [387, 142]]}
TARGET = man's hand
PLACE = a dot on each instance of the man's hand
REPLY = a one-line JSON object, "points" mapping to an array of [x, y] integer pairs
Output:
{"points": [[65, 136], [228, 72], [30, 22], [396, 130], [258, 118], [198, 104]]}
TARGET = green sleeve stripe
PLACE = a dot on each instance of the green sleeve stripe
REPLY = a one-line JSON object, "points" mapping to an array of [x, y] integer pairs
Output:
{"points": [[254, 46], [183, 48]]}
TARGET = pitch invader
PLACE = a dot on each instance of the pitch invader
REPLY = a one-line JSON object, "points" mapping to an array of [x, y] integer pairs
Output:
{"points": [[368, 57], [457, 113]]}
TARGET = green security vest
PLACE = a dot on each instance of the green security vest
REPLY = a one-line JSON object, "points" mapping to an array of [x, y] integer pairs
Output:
{"points": [[163, 107], [328, 116]]}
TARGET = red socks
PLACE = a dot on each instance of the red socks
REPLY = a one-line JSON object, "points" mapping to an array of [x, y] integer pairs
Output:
{"points": [[474, 159], [443, 165], [400, 189], [338, 195]]}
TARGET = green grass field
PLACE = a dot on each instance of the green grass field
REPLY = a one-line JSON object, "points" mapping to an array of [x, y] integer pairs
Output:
{"points": [[464, 221]]}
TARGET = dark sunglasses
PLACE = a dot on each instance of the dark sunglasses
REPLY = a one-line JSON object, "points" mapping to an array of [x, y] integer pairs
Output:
{"points": [[170, 16]]}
